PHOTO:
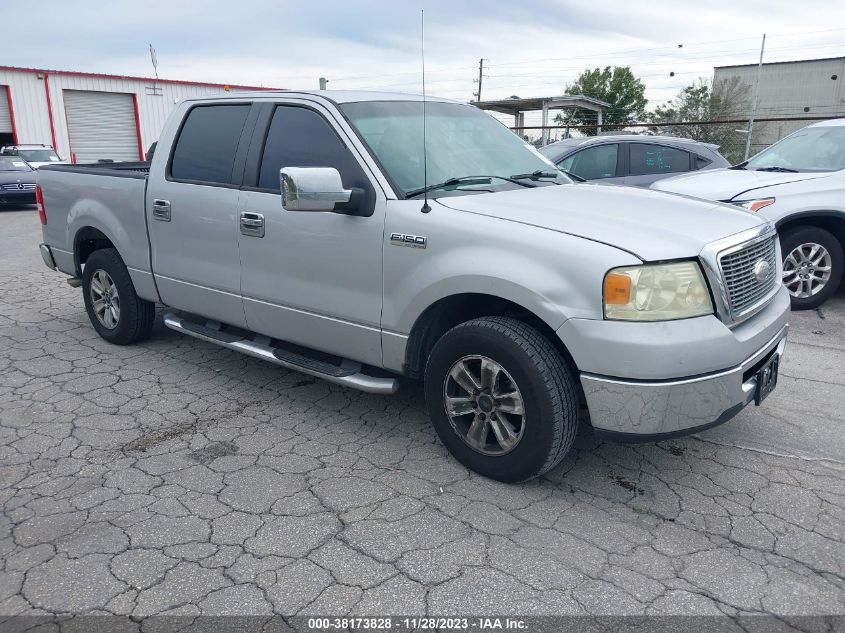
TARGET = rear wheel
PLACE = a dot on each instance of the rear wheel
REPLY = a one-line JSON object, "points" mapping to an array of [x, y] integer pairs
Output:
{"points": [[812, 265], [501, 398], [118, 314]]}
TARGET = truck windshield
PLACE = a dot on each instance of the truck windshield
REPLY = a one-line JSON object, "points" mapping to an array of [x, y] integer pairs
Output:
{"points": [[461, 141], [810, 149]]}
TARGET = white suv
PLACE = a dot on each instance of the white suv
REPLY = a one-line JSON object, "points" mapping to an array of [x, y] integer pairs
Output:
{"points": [[799, 183], [35, 155]]}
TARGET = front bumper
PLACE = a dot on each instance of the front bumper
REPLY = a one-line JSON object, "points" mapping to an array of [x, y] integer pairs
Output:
{"points": [[17, 197], [644, 410]]}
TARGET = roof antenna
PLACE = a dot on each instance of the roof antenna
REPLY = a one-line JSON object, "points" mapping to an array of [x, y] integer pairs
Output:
{"points": [[425, 208]]}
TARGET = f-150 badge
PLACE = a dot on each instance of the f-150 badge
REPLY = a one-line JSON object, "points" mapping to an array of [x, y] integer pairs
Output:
{"points": [[414, 241]]}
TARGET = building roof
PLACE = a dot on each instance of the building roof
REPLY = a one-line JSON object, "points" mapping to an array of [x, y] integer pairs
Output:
{"points": [[75, 73], [794, 61], [515, 105]]}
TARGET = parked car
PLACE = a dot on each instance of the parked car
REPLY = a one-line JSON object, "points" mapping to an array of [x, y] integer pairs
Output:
{"points": [[634, 160], [301, 228], [799, 184], [17, 181], [35, 155]]}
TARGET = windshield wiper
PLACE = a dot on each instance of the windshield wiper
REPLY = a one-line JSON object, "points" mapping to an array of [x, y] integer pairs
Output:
{"points": [[778, 168], [463, 180], [535, 175]]}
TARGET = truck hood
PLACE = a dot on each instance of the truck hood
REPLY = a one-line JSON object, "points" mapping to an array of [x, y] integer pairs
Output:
{"points": [[727, 184], [649, 224]]}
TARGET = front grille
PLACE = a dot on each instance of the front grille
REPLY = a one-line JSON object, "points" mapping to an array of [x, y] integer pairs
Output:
{"points": [[745, 291], [14, 186]]}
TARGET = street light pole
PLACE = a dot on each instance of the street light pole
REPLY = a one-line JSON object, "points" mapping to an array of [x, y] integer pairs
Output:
{"points": [[756, 96]]}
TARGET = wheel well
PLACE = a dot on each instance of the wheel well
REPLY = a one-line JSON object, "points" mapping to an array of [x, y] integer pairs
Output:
{"points": [[828, 221], [448, 312], [88, 240]]}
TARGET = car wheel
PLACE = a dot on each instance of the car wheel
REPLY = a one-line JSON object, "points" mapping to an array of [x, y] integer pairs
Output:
{"points": [[812, 265], [501, 398], [118, 314]]}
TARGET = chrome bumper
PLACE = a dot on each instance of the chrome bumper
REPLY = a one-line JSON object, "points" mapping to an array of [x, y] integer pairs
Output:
{"points": [[47, 256], [642, 409]]}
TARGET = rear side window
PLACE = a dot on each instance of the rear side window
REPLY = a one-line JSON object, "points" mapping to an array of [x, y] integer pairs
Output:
{"points": [[593, 163], [648, 159], [299, 137], [205, 149], [701, 162]]}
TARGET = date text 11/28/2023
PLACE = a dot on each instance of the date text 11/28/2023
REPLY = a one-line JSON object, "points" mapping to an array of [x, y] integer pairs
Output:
{"points": [[481, 624]]}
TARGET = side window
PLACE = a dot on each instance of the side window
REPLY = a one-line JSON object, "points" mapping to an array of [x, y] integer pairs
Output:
{"points": [[648, 159], [593, 163], [701, 162], [300, 137], [205, 149]]}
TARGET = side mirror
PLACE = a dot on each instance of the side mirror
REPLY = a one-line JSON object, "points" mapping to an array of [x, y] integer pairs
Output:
{"points": [[312, 188]]}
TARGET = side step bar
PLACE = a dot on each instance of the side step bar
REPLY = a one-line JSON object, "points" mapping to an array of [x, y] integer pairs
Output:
{"points": [[348, 373]]}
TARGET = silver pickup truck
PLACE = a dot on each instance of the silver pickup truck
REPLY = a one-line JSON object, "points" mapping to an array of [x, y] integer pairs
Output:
{"points": [[312, 230]]}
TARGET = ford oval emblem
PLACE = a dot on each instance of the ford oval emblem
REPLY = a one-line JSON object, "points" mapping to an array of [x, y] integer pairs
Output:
{"points": [[761, 271]]}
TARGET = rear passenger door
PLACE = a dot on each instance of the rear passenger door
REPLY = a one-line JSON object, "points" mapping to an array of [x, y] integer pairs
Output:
{"points": [[192, 212], [596, 162], [311, 278], [649, 162]]}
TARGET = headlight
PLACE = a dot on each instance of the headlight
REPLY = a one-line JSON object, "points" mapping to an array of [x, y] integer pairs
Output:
{"points": [[656, 292], [754, 205]]}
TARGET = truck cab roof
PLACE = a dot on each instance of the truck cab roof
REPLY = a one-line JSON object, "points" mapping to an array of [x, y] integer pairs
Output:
{"points": [[336, 96]]}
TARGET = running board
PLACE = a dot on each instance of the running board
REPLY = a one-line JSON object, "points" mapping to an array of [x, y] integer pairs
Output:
{"points": [[348, 373]]}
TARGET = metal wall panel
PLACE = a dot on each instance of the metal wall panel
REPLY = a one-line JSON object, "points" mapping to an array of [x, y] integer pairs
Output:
{"points": [[29, 89]]}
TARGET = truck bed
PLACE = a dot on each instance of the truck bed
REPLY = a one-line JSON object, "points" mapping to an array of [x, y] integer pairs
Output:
{"points": [[82, 202]]}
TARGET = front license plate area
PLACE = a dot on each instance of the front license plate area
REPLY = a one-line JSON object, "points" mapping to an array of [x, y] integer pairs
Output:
{"points": [[767, 379]]}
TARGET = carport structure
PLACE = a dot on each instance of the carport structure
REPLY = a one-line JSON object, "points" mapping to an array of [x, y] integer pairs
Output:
{"points": [[517, 108]]}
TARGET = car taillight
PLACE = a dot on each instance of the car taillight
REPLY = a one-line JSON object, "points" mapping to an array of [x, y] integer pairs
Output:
{"points": [[39, 200]]}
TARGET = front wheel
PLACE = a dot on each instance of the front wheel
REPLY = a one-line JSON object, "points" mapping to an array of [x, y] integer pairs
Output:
{"points": [[812, 265], [501, 398], [118, 314]]}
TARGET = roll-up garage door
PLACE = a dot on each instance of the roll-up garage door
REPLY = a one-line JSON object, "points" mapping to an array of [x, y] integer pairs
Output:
{"points": [[5, 114], [101, 126]]}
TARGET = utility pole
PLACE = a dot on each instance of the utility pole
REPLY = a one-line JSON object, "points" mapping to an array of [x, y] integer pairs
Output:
{"points": [[756, 96], [323, 82], [477, 94]]}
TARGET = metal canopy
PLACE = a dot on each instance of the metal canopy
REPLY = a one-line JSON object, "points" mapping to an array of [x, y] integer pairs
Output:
{"points": [[518, 107]]}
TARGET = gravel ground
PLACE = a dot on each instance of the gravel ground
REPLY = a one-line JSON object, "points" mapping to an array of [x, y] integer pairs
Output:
{"points": [[177, 477]]}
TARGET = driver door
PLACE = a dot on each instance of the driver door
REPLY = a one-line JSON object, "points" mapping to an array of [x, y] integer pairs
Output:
{"points": [[311, 278]]}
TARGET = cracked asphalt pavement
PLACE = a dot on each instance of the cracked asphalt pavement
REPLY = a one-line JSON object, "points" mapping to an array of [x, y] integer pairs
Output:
{"points": [[177, 477]]}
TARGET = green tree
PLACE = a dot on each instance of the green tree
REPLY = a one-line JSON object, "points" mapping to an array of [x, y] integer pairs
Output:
{"points": [[697, 109], [617, 86]]}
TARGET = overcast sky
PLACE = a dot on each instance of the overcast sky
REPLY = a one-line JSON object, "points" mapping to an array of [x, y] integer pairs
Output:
{"points": [[531, 47]]}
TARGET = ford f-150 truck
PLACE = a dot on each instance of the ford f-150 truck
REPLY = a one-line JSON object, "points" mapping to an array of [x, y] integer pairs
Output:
{"points": [[320, 232]]}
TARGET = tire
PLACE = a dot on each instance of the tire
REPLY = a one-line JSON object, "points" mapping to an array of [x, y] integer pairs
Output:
{"points": [[798, 246], [135, 316], [529, 362]]}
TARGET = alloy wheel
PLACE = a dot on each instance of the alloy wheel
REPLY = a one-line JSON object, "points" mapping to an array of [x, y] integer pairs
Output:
{"points": [[104, 299], [806, 270], [484, 405]]}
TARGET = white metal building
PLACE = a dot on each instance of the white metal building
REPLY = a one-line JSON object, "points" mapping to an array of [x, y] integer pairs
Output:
{"points": [[88, 117], [795, 94]]}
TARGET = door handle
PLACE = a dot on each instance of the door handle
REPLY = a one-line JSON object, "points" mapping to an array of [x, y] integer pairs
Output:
{"points": [[252, 224], [161, 210]]}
